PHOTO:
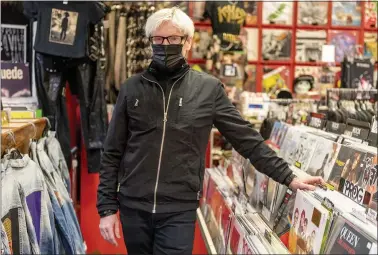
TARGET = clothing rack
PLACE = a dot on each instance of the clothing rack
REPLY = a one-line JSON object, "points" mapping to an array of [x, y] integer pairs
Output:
{"points": [[18, 132], [351, 94]]}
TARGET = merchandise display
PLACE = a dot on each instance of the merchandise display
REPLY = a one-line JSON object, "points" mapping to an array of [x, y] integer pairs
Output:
{"points": [[37, 215], [303, 74]]}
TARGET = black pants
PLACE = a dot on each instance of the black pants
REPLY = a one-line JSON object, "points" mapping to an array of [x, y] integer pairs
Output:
{"points": [[86, 80], [159, 233]]}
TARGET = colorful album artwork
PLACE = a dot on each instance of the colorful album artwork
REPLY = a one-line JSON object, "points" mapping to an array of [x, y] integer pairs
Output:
{"points": [[277, 12], [312, 13], [344, 42], [371, 45], [309, 45], [275, 78], [371, 10], [201, 41], [346, 13], [250, 8], [276, 44]]}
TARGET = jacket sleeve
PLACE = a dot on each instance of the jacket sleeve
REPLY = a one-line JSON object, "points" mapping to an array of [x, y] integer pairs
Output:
{"points": [[247, 141], [114, 147]]}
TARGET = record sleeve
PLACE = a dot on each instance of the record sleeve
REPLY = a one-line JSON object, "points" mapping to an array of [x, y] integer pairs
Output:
{"points": [[312, 13], [368, 180], [346, 238], [276, 44], [309, 45], [345, 13], [258, 194], [304, 151], [343, 161], [324, 158], [309, 225], [343, 41], [277, 13]]}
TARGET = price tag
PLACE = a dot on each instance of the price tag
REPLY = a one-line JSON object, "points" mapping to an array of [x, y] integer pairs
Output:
{"points": [[371, 215], [65, 2], [268, 236]]}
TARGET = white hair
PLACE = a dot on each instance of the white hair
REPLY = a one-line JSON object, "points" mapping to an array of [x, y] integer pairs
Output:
{"points": [[179, 19]]}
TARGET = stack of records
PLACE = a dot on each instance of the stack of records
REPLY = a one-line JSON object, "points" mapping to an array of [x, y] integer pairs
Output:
{"points": [[350, 236]]}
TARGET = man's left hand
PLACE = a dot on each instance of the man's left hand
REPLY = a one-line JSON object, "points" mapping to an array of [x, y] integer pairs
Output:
{"points": [[306, 184]]}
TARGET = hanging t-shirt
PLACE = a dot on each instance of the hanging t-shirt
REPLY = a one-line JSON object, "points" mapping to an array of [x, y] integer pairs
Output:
{"points": [[226, 17], [361, 74], [62, 28]]}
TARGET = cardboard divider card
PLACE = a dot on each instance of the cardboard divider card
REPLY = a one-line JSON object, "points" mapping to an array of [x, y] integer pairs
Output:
{"points": [[373, 137], [335, 128], [317, 120], [357, 129]]}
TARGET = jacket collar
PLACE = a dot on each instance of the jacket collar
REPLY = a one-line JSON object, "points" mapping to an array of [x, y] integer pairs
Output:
{"points": [[153, 74]]}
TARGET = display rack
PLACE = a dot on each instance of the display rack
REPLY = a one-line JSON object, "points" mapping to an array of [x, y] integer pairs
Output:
{"points": [[205, 233], [18, 132], [291, 63]]}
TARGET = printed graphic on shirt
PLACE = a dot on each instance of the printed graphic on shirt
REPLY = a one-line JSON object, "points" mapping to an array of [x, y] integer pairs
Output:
{"points": [[63, 26], [11, 226]]}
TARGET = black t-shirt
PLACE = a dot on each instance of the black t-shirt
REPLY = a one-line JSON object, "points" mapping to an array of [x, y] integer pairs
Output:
{"points": [[226, 17], [62, 29]]}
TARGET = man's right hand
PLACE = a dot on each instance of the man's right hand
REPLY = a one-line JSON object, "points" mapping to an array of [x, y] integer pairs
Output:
{"points": [[108, 226]]}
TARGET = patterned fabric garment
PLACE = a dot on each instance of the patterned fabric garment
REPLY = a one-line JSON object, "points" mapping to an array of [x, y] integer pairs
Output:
{"points": [[62, 197], [56, 156], [27, 173], [16, 219], [4, 241], [62, 236]]}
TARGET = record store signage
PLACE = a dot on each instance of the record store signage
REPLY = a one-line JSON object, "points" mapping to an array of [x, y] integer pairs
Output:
{"points": [[15, 79]]}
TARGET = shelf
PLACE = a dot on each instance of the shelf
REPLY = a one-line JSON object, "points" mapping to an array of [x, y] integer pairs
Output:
{"points": [[205, 233]]}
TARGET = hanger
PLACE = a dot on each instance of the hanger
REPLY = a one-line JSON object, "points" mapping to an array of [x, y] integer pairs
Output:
{"points": [[47, 127], [14, 153]]}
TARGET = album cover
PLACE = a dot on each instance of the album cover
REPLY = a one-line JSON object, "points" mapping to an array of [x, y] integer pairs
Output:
{"points": [[309, 225], [371, 45], [371, 10], [201, 41], [304, 151], [275, 78], [13, 43], [249, 178], [290, 144], [236, 236], [347, 238], [276, 44], [277, 12], [309, 45], [259, 190], [346, 13], [344, 41], [346, 166], [368, 179], [312, 13], [282, 134], [250, 8], [324, 158], [274, 134], [204, 190]]}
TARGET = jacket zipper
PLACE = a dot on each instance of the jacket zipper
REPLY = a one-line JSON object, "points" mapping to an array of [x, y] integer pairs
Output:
{"points": [[166, 107]]}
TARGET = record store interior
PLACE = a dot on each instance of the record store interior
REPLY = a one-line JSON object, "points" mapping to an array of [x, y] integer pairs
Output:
{"points": [[189, 127]]}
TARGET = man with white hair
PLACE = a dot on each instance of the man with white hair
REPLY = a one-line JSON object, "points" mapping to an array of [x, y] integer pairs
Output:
{"points": [[158, 135]]}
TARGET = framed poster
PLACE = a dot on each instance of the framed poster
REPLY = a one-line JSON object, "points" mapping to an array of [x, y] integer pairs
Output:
{"points": [[13, 43]]}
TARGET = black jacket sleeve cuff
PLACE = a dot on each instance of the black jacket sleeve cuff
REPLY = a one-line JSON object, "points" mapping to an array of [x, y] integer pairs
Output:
{"points": [[289, 179]]}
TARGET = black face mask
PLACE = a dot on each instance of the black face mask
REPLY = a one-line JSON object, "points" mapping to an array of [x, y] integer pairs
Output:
{"points": [[168, 57]]}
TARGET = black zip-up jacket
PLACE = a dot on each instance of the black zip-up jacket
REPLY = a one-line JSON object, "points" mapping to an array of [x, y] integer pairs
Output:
{"points": [[160, 136]]}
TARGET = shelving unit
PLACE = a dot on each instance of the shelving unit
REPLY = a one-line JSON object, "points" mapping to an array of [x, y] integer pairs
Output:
{"points": [[291, 63]]}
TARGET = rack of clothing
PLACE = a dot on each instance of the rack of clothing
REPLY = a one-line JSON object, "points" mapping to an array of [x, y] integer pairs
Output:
{"points": [[37, 213], [351, 103]]}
